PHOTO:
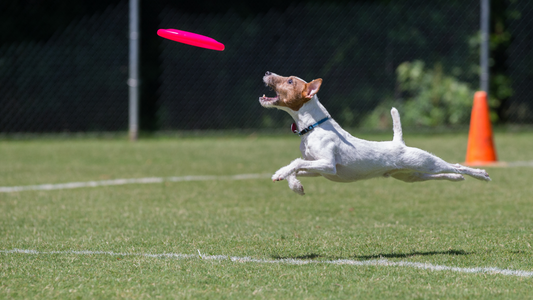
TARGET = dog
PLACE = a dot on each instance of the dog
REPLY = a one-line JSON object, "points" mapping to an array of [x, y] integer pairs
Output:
{"points": [[330, 151]]}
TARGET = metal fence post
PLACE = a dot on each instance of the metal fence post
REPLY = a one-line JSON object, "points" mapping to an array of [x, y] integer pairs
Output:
{"points": [[133, 80], [484, 57]]}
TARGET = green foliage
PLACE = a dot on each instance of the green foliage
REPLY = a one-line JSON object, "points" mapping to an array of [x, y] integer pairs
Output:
{"points": [[429, 98]]}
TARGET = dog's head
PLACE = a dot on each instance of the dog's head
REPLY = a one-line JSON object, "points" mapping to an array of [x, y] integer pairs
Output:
{"points": [[291, 92]]}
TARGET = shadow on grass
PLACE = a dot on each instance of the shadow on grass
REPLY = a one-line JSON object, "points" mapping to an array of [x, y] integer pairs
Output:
{"points": [[377, 256], [307, 256], [415, 253]]}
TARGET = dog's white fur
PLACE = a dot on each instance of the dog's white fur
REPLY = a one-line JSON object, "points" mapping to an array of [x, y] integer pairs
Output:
{"points": [[331, 152]]}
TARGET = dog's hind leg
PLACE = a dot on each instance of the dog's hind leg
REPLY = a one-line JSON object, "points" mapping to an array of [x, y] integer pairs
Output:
{"points": [[424, 162], [431, 166], [396, 126], [416, 176], [476, 173]]}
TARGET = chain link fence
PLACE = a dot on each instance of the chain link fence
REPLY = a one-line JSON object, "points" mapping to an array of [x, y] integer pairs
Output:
{"points": [[74, 82], [355, 48], [421, 56], [520, 62]]}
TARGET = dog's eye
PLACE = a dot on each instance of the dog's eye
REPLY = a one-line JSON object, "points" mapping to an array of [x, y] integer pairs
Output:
{"points": [[290, 81]]}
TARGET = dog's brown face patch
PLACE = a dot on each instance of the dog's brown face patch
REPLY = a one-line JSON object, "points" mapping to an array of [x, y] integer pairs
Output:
{"points": [[292, 92]]}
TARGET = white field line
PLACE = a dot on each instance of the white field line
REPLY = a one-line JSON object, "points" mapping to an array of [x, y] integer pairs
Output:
{"points": [[292, 261], [74, 185], [520, 164]]}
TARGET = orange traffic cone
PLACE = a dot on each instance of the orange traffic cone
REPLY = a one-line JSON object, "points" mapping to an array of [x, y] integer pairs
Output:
{"points": [[480, 150]]}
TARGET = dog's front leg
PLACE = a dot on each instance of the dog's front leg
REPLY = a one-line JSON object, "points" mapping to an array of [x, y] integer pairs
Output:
{"points": [[295, 185], [321, 166], [302, 173]]}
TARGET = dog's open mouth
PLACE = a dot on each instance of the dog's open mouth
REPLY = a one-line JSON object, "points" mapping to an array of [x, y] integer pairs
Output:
{"points": [[267, 101]]}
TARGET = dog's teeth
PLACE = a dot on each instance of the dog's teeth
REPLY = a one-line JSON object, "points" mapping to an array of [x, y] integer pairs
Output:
{"points": [[263, 95]]}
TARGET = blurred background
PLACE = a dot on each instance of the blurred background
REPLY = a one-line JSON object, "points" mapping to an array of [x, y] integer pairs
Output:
{"points": [[64, 64]]}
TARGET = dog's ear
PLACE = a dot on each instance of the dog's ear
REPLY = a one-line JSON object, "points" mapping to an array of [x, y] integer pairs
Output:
{"points": [[312, 88]]}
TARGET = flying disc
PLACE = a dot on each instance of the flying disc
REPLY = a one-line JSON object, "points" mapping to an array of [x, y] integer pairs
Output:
{"points": [[190, 38]]}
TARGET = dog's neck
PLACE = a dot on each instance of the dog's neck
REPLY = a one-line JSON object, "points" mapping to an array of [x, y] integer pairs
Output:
{"points": [[310, 113]]}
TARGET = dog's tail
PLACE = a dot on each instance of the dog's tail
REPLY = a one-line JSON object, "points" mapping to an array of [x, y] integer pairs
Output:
{"points": [[396, 126]]}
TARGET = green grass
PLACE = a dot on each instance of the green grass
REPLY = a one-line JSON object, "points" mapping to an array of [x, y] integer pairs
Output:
{"points": [[465, 224]]}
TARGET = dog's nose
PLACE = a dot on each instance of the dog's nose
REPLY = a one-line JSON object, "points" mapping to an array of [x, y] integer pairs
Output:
{"points": [[268, 73]]}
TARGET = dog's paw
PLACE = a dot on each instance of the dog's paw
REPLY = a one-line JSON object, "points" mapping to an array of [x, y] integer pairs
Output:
{"points": [[276, 177], [281, 174], [476, 173], [298, 189], [295, 185], [484, 176]]}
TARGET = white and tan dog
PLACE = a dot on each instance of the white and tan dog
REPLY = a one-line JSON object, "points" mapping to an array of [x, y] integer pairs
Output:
{"points": [[330, 151]]}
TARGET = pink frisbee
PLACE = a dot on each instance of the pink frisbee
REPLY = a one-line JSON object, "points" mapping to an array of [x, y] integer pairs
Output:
{"points": [[190, 38]]}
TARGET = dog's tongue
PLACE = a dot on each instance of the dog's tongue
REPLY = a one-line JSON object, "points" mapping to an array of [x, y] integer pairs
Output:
{"points": [[294, 128]]}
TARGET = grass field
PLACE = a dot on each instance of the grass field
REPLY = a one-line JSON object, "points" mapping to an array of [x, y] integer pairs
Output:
{"points": [[470, 224]]}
